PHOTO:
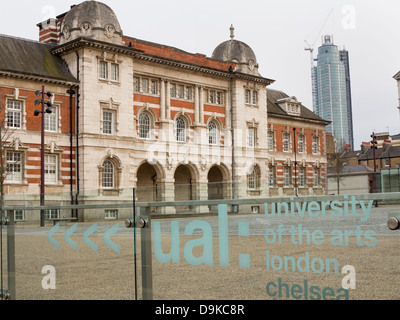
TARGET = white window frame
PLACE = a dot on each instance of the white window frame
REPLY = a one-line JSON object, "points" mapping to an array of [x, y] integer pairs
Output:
{"points": [[180, 127], [247, 94], [52, 214], [103, 70], [114, 72], [213, 133], [271, 176], [253, 179], [14, 114], [315, 144], [14, 176], [287, 176], [111, 214], [51, 169], [302, 177], [108, 124], [286, 142], [108, 175], [300, 143], [145, 85], [51, 120], [251, 97], [251, 137], [144, 126], [271, 140]]}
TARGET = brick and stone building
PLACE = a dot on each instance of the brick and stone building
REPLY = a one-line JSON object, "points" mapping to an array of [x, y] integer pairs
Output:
{"points": [[129, 113]]}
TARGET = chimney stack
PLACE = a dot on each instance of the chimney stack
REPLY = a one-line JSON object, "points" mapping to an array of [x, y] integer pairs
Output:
{"points": [[49, 31]]}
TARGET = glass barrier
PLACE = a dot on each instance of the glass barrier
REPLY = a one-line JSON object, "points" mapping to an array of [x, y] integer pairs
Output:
{"points": [[82, 252], [203, 242]]}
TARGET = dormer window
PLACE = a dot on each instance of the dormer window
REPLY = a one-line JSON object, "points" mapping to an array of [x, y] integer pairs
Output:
{"points": [[290, 105]]}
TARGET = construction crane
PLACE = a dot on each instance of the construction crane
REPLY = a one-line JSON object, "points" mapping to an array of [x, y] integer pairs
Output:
{"points": [[310, 47]]}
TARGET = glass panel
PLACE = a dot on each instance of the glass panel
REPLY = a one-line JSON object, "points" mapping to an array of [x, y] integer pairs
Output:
{"points": [[83, 252], [195, 241]]}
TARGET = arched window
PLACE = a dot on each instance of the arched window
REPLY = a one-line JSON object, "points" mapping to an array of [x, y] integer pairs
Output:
{"points": [[108, 176], [212, 133], [253, 178], [180, 130], [144, 126]]}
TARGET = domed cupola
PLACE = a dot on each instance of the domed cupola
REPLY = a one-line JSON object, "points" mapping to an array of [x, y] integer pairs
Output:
{"points": [[239, 53], [93, 20]]}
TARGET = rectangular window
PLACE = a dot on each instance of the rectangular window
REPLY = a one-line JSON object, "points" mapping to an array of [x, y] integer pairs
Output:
{"points": [[50, 169], [251, 138], [173, 91], [286, 138], [108, 122], [270, 141], [136, 84], [153, 87], [14, 114], [14, 167], [219, 97], [302, 177], [255, 97], [247, 96], [315, 143], [51, 214], [189, 93], [19, 215], [103, 74], [145, 85], [114, 72], [286, 176], [111, 214], [211, 96], [317, 178], [301, 143], [271, 176], [51, 120], [180, 91], [252, 180]]}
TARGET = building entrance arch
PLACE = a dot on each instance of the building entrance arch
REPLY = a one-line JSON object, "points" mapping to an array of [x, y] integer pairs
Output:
{"points": [[218, 187], [147, 185]]}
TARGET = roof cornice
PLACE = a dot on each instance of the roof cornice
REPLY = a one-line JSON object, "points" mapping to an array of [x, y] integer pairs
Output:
{"points": [[298, 118], [37, 78], [83, 42], [139, 54]]}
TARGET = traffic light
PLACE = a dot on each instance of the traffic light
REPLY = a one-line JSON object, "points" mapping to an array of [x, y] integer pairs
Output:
{"points": [[374, 142]]}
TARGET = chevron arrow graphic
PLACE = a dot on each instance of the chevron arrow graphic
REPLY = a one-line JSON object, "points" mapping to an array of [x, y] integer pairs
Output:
{"points": [[67, 238], [50, 236], [107, 236], [86, 236]]}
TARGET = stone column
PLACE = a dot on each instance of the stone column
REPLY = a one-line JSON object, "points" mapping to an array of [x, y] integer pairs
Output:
{"points": [[162, 100], [201, 107], [196, 105], [168, 101]]}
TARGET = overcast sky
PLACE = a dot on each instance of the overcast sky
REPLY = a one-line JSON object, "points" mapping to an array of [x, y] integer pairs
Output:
{"points": [[275, 30]]}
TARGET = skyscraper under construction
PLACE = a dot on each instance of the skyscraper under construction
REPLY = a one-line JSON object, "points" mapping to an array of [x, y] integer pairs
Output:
{"points": [[332, 92]]}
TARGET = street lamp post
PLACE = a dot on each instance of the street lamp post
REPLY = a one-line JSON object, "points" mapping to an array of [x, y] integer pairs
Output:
{"points": [[36, 114]]}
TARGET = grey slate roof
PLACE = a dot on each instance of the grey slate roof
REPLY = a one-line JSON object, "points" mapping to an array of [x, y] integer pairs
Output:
{"points": [[274, 109], [30, 58]]}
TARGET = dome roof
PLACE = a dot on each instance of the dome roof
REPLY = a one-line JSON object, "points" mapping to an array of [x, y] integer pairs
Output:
{"points": [[91, 19], [237, 52]]}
